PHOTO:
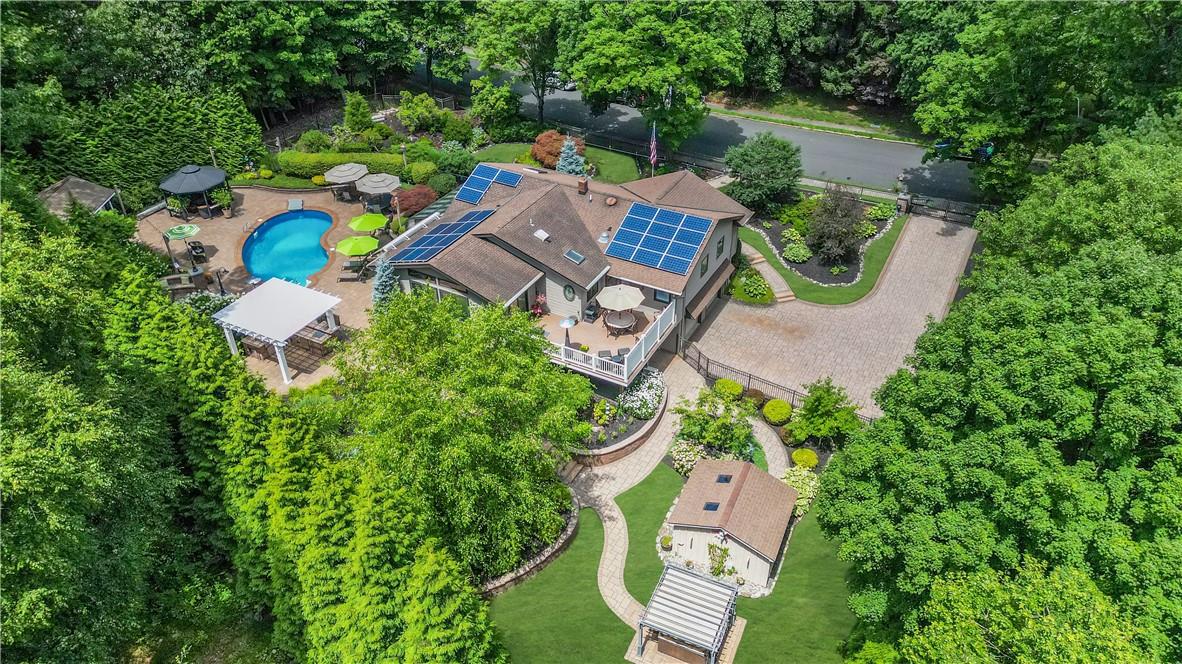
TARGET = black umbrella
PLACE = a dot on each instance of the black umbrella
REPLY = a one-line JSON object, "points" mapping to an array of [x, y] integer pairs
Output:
{"points": [[193, 180]]}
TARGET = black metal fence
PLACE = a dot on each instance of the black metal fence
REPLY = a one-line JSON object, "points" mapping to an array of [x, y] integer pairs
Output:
{"points": [[713, 370], [948, 210]]}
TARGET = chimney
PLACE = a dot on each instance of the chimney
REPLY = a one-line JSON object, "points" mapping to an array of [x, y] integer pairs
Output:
{"points": [[582, 186]]}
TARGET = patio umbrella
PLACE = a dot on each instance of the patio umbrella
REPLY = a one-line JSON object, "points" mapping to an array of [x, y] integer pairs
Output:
{"points": [[345, 173], [357, 245], [178, 232], [620, 297], [378, 183], [192, 179], [368, 222]]}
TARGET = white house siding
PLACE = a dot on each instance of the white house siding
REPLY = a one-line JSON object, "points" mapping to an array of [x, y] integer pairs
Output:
{"points": [[692, 544], [557, 302], [725, 230]]}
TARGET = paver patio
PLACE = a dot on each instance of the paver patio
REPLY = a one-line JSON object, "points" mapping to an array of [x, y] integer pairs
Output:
{"points": [[858, 344]]}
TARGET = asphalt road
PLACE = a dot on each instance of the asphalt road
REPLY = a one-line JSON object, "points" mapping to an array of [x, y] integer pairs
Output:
{"points": [[824, 155]]}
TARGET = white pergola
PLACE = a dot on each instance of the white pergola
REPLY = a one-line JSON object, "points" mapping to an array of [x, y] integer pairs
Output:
{"points": [[690, 608], [273, 313]]}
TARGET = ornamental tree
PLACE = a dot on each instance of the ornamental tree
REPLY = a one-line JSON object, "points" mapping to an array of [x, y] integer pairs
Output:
{"points": [[827, 414], [833, 229], [766, 170], [569, 160], [521, 37], [548, 145], [719, 423], [495, 105]]}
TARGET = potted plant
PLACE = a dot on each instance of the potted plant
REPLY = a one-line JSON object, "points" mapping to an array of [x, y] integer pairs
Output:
{"points": [[666, 543], [225, 198]]}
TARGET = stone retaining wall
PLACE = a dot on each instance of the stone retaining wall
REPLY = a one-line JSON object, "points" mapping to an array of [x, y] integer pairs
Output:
{"points": [[538, 562], [606, 455]]}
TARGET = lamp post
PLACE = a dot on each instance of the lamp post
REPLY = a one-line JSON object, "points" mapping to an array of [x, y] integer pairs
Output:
{"points": [[403, 146], [218, 273]]}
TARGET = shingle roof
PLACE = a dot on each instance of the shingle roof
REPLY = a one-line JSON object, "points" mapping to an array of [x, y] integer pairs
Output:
{"points": [[57, 196], [553, 215], [686, 190], [753, 507], [493, 273]]}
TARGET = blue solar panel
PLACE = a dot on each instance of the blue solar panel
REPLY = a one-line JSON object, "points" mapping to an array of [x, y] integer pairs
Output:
{"points": [[468, 195], [508, 178], [439, 238], [660, 238], [485, 171]]}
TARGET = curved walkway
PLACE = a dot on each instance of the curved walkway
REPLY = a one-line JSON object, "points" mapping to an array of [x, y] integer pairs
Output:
{"points": [[773, 449]]}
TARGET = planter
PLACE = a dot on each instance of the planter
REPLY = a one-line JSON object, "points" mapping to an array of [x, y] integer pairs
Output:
{"points": [[227, 212], [666, 543]]}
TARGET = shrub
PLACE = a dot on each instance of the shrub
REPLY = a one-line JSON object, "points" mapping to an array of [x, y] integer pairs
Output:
{"points": [[685, 455], [456, 160], [421, 171], [569, 161], [719, 423], [352, 146], [865, 229], [603, 412], [421, 150], [827, 414], [547, 147], [798, 215], [419, 112], [442, 183], [495, 106], [880, 212], [248, 175], [797, 253], [373, 137], [357, 113], [805, 458], [838, 269], [777, 412], [791, 236], [415, 199], [319, 180], [666, 542], [517, 131], [756, 397], [805, 482], [832, 232], [313, 140], [265, 174], [456, 128], [728, 388], [305, 165], [766, 169], [718, 557], [527, 159], [643, 396], [479, 138], [756, 287]]}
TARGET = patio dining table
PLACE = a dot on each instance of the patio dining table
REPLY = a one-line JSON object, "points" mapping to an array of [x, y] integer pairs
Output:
{"points": [[618, 322]]}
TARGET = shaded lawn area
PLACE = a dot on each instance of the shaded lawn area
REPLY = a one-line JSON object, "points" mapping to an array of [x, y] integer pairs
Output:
{"points": [[614, 167], [806, 616], [644, 507], [819, 106], [874, 261], [559, 615]]}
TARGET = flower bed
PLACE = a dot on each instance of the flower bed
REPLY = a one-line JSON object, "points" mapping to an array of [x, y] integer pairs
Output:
{"points": [[609, 424], [644, 395]]}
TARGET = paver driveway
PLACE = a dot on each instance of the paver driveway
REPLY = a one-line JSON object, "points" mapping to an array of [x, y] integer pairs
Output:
{"points": [[858, 344]]}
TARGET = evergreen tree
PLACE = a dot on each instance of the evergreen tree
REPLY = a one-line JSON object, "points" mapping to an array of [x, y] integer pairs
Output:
{"points": [[385, 281], [569, 160], [446, 622]]}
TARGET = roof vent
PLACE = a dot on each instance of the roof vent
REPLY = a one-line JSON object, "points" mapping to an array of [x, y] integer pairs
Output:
{"points": [[574, 257], [610, 201], [605, 236], [542, 235]]}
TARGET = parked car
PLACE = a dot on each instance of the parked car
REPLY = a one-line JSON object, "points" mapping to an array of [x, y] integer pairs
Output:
{"points": [[556, 81]]}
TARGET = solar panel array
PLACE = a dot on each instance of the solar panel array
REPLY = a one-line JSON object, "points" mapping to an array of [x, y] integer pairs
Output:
{"points": [[439, 238], [660, 238], [481, 179]]}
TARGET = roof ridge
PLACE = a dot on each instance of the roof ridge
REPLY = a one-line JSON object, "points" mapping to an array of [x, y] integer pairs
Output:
{"points": [[724, 522]]}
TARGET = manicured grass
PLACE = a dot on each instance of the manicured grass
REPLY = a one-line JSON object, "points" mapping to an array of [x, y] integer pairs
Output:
{"points": [[736, 291], [790, 122], [806, 616], [278, 181], [817, 106], [874, 260], [759, 458], [645, 506], [559, 614], [614, 167]]}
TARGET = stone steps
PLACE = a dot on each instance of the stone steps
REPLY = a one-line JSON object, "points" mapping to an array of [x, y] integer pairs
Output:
{"points": [[570, 471]]}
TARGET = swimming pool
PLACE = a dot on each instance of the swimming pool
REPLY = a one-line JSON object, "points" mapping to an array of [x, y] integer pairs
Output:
{"points": [[288, 246]]}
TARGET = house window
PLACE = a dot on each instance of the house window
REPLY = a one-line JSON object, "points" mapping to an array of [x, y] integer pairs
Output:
{"points": [[710, 507], [662, 297], [568, 292], [705, 264], [723, 479], [721, 246]]}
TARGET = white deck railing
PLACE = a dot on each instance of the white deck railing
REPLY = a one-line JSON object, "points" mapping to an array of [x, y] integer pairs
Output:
{"points": [[635, 359]]}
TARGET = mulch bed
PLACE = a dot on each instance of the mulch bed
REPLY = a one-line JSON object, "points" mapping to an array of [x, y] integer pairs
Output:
{"points": [[815, 268], [619, 428]]}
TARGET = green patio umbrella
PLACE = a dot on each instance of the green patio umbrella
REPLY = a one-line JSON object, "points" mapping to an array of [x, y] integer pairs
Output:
{"points": [[357, 245], [368, 222], [179, 232]]}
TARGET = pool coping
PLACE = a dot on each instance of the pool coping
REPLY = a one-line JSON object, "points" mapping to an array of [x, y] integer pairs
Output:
{"points": [[315, 276]]}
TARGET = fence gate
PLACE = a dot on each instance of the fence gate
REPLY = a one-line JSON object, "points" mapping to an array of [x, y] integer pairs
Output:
{"points": [[951, 211]]}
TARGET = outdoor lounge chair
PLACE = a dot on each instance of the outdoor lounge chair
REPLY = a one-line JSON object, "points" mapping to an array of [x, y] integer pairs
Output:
{"points": [[175, 283], [295, 204], [605, 354]]}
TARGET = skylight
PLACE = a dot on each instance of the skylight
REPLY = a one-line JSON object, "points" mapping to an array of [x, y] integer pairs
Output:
{"points": [[711, 507], [574, 257], [724, 479]]}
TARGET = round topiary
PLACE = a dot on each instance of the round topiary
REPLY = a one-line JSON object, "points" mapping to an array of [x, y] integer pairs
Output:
{"points": [[777, 412], [805, 458], [442, 183], [728, 388], [319, 180]]}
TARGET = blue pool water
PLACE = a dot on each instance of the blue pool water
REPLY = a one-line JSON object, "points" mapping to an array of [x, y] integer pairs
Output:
{"points": [[287, 246]]}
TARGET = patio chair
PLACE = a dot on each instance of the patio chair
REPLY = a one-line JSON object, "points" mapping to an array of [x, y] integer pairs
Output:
{"points": [[197, 252], [605, 354], [175, 283], [295, 204], [591, 313]]}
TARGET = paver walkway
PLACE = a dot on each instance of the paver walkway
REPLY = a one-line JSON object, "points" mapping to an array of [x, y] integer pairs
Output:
{"points": [[858, 344], [780, 288], [773, 449]]}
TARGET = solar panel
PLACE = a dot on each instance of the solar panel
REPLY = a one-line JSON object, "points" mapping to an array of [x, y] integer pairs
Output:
{"points": [[659, 238], [441, 237], [482, 177]]}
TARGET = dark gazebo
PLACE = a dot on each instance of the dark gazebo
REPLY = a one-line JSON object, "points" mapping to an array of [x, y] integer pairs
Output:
{"points": [[191, 179]]}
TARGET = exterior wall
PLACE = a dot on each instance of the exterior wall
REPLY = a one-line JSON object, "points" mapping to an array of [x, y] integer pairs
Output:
{"points": [[693, 544], [557, 303], [725, 231]]}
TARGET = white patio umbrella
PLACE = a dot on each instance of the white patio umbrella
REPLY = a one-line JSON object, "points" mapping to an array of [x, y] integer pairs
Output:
{"points": [[620, 297], [345, 173], [377, 183]]}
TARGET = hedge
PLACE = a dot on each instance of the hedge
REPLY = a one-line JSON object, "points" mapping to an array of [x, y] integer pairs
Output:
{"points": [[728, 388], [305, 165], [777, 412]]}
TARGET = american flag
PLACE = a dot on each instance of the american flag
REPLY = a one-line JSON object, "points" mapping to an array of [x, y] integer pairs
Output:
{"points": [[652, 147]]}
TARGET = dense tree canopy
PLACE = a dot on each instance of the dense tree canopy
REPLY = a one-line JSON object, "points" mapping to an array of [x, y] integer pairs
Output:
{"points": [[1043, 416], [522, 37], [766, 170]]}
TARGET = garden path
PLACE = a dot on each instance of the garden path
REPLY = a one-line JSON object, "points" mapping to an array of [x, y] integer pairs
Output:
{"points": [[597, 488], [780, 288], [773, 448]]}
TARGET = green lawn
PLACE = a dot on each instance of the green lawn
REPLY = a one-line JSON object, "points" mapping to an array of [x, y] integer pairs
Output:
{"points": [[559, 615], [644, 507], [614, 167], [760, 458], [806, 616], [817, 106], [875, 259]]}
